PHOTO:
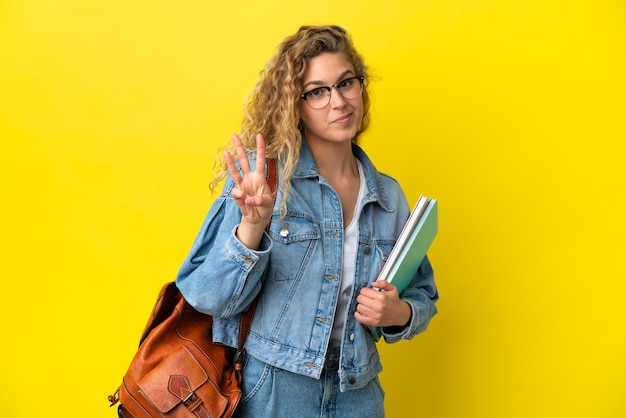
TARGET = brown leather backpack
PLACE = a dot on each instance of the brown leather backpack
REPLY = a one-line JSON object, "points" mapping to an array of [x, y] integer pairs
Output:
{"points": [[178, 371]]}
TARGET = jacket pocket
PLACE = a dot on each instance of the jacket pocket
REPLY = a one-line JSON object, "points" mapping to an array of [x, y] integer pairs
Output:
{"points": [[295, 239], [374, 262]]}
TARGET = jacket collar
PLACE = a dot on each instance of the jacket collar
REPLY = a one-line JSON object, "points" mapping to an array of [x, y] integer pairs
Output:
{"points": [[306, 167]]}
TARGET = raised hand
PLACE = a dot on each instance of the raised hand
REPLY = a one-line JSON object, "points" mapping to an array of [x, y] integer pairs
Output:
{"points": [[251, 193]]}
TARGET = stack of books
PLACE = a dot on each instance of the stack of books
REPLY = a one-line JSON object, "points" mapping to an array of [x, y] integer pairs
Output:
{"points": [[409, 251]]}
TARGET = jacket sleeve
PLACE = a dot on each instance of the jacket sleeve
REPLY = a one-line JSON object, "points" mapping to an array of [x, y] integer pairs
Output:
{"points": [[220, 276], [421, 295]]}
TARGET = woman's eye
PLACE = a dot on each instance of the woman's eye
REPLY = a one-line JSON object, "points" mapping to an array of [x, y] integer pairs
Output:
{"points": [[344, 84], [315, 93]]}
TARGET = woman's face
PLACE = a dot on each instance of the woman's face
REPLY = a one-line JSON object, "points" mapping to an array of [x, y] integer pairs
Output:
{"points": [[339, 120]]}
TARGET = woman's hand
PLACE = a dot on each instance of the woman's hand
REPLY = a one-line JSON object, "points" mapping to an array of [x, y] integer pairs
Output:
{"points": [[251, 193], [383, 307]]}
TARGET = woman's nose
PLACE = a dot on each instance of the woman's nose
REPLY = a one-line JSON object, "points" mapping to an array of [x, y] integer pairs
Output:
{"points": [[336, 98]]}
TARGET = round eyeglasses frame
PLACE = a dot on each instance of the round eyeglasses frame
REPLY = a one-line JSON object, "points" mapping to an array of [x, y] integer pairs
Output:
{"points": [[337, 87]]}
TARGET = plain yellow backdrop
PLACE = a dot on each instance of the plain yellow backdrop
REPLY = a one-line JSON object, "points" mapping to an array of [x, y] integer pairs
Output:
{"points": [[511, 113]]}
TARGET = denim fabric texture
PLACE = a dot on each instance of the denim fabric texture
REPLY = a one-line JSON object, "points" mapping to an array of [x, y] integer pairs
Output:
{"points": [[296, 274], [272, 392]]}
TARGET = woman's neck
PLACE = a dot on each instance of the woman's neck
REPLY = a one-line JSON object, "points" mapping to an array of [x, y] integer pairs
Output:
{"points": [[335, 160]]}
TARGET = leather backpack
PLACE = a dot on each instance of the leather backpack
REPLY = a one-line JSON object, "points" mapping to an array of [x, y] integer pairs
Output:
{"points": [[178, 371]]}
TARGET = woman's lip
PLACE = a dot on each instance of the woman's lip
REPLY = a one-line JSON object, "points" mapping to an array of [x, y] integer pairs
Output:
{"points": [[342, 119]]}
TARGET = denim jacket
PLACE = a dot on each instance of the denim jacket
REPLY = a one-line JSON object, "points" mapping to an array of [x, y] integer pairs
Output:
{"points": [[296, 274]]}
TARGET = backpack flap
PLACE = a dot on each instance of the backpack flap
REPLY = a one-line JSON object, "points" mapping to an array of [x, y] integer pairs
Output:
{"points": [[178, 380]]}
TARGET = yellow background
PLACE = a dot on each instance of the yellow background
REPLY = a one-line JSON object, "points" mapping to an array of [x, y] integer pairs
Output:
{"points": [[511, 113]]}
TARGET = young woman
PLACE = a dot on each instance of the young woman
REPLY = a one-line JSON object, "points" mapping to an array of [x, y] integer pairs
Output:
{"points": [[310, 352]]}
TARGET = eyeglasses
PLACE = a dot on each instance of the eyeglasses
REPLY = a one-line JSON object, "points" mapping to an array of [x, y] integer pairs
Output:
{"points": [[319, 97]]}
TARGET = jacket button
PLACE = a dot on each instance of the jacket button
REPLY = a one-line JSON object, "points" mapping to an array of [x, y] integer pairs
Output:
{"points": [[352, 380], [367, 250]]}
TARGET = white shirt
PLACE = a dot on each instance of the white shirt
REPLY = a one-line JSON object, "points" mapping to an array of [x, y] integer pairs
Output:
{"points": [[350, 244]]}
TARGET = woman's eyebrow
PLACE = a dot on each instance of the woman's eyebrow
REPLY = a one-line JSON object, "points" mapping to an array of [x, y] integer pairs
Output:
{"points": [[321, 83]]}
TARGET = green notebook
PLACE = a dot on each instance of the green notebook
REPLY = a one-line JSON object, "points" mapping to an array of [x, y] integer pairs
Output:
{"points": [[409, 251]]}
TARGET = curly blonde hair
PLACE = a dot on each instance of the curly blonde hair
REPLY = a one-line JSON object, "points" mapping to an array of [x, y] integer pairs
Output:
{"points": [[272, 108]]}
